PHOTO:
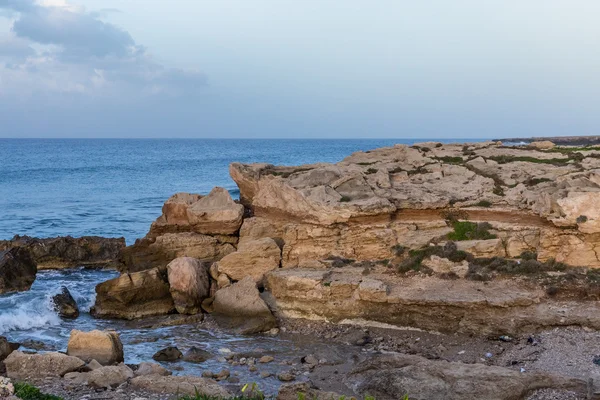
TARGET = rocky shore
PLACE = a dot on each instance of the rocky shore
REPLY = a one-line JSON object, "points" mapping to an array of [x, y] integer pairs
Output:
{"points": [[443, 271]]}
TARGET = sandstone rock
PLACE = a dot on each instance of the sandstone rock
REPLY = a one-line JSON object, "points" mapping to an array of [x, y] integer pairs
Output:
{"points": [[147, 368], [93, 364], [167, 354], [189, 284], [240, 307], [23, 366], [182, 385], [110, 376], [223, 281], [137, 295], [76, 378], [66, 252], [286, 377], [441, 265], [265, 359], [7, 389], [103, 346], [385, 376], [213, 214], [196, 355], [17, 270], [158, 251], [253, 258], [373, 290], [65, 304], [542, 145]]}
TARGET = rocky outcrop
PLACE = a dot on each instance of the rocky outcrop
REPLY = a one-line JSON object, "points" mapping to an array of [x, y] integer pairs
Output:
{"points": [[189, 284], [494, 307], [66, 252], [182, 385], [253, 258], [385, 376], [17, 270], [103, 346], [65, 304], [136, 295], [24, 366], [241, 308]]}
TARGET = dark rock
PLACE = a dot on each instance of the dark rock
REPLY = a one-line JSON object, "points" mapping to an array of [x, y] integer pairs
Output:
{"points": [[196, 355], [66, 252], [37, 345], [168, 354], [17, 270], [65, 304], [5, 348]]}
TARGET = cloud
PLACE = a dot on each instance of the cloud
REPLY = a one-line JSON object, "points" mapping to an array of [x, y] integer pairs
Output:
{"points": [[54, 46]]}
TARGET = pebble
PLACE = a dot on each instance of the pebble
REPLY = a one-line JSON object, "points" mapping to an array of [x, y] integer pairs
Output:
{"points": [[286, 377], [265, 374], [265, 359]]}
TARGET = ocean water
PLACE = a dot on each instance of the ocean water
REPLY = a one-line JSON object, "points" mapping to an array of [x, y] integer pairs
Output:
{"points": [[113, 188]]}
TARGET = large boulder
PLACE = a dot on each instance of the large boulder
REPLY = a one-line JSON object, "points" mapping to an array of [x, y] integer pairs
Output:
{"points": [[102, 346], [67, 251], [148, 368], [385, 376], [24, 366], [182, 385], [136, 295], [17, 270], [253, 258], [240, 307], [110, 376], [214, 214], [65, 304], [189, 284]]}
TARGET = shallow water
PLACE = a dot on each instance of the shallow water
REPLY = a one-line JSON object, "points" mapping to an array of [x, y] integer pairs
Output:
{"points": [[30, 316]]}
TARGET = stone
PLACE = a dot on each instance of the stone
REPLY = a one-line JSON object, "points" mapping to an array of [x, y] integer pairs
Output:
{"points": [[105, 347], [240, 307], [109, 376], [76, 378], [253, 258], [182, 385], [6, 348], [223, 281], [147, 368], [440, 265], [93, 364], [6, 387], [214, 214], [385, 376], [542, 145], [65, 304], [189, 284], [68, 252], [294, 391], [17, 270], [286, 377], [167, 354], [22, 366], [265, 359], [196, 355], [224, 374], [136, 295]]}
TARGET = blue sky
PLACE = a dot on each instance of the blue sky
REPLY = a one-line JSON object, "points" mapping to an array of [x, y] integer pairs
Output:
{"points": [[288, 68]]}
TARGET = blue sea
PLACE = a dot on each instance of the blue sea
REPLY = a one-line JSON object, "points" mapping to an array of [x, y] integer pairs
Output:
{"points": [[114, 187]]}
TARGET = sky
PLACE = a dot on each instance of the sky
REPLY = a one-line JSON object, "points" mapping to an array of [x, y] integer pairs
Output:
{"points": [[299, 69]]}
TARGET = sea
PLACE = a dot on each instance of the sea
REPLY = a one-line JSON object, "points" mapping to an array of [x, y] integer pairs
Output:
{"points": [[115, 188]]}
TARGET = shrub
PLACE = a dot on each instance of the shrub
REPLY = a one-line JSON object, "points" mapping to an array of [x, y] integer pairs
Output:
{"points": [[345, 199], [581, 219], [454, 215], [528, 255], [26, 391], [465, 230], [398, 249], [484, 203]]}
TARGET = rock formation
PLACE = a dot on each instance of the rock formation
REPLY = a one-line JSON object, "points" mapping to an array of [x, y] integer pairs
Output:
{"points": [[136, 295], [24, 366], [66, 252], [17, 270], [189, 284], [253, 258], [65, 304], [104, 347]]}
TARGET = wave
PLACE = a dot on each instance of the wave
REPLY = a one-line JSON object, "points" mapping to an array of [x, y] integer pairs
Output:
{"points": [[27, 316]]}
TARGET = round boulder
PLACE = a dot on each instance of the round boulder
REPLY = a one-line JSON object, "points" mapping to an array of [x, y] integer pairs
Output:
{"points": [[189, 283], [102, 346]]}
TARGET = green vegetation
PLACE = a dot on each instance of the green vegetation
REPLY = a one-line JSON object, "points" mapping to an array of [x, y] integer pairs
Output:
{"points": [[528, 255], [505, 159], [480, 269], [398, 249], [450, 160], [484, 203], [345, 199], [416, 257], [26, 391], [465, 230], [567, 150]]}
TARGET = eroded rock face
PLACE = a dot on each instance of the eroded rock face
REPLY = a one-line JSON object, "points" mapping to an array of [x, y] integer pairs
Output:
{"points": [[253, 258], [67, 251], [23, 366], [213, 214], [387, 375], [136, 295], [241, 308], [17, 270], [189, 284], [103, 346]]}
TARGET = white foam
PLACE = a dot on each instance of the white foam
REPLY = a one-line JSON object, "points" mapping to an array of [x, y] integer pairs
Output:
{"points": [[28, 315]]}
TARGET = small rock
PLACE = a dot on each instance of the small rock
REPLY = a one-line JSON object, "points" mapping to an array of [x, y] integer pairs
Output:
{"points": [[65, 304], [6, 387], [208, 374], [233, 379], [505, 338], [196, 355], [265, 359], [147, 368], [167, 354], [253, 368], [286, 377], [265, 374], [224, 374], [309, 359]]}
